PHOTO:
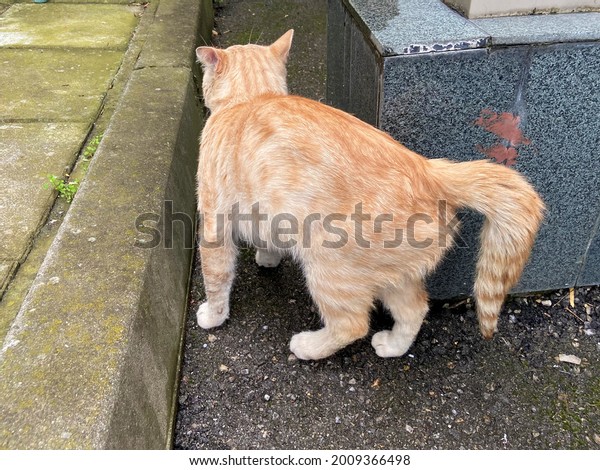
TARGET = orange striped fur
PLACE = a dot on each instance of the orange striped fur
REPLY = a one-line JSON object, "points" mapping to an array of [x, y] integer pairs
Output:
{"points": [[298, 157]]}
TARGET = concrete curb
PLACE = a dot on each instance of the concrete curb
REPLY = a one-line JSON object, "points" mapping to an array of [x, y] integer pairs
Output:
{"points": [[91, 361]]}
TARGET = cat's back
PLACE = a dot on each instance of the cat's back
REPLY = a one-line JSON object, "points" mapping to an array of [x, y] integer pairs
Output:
{"points": [[311, 129], [312, 151]]}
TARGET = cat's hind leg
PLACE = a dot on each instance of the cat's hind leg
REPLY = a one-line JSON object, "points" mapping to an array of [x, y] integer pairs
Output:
{"points": [[267, 259], [408, 305], [345, 313], [218, 271]]}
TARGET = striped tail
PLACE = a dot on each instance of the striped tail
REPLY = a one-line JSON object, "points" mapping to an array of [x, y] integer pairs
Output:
{"points": [[513, 212]]}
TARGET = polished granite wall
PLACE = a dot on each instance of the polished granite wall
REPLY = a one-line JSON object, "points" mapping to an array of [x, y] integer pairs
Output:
{"points": [[431, 78]]}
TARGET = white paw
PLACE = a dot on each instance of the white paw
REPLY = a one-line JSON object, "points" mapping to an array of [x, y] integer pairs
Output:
{"points": [[310, 345], [208, 319], [267, 259], [390, 344]]}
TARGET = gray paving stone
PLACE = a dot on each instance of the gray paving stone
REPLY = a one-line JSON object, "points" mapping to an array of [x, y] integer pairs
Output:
{"points": [[172, 44], [28, 153], [90, 344], [68, 25], [99, 331], [54, 85]]}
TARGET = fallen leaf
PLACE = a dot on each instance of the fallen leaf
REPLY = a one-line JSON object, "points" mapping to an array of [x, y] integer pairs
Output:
{"points": [[572, 297], [376, 383], [570, 358]]}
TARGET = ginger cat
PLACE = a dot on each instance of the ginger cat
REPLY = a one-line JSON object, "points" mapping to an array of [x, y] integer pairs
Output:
{"points": [[295, 176]]}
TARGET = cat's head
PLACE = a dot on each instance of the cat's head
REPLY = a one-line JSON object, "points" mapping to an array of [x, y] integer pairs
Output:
{"points": [[241, 73]]}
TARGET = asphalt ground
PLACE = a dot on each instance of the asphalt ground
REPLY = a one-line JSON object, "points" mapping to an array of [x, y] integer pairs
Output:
{"points": [[242, 389]]}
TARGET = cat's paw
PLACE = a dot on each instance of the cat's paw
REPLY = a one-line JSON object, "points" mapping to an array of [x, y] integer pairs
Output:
{"points": [[267, 259], [209, 319], [388, 344], [310, 345]]}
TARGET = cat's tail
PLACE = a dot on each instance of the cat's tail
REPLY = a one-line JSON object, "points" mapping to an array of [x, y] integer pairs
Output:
{"points": [[513, 212]]}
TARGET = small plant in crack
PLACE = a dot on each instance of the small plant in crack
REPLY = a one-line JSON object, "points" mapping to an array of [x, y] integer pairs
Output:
{"points": [[65, 189], [91, 148]]}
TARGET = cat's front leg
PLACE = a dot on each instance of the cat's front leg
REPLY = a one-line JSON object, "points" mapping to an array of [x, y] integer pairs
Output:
{"points": [[218, 270]]}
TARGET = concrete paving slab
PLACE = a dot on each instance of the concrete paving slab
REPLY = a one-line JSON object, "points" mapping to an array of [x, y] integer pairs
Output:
{"points": [[28, 153], [22, 275], [68, 25], [54, 85]]}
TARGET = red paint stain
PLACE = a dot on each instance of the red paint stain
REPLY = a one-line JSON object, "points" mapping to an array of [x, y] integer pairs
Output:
{"points": [[506, 127], [500, 153]]}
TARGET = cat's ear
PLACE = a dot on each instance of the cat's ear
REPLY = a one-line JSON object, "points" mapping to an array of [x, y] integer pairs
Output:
{"points": [[210, 57], [281, 47]]}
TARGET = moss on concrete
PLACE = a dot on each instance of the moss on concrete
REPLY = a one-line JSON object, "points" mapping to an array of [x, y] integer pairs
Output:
{"points": [[52, 25], [33, 81]]}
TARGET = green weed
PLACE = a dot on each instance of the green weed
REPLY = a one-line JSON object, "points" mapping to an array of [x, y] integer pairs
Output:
{"points": [[91, 148], [65, 189]]}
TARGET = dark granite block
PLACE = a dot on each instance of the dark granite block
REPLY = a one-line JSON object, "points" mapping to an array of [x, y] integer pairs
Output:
{"points": [[337, 41], [355, 67], [562, 108], [455, 276], [416, 26], [431, 102]]}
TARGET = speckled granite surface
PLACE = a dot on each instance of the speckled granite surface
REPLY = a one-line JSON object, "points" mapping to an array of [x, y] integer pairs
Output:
{"points": [[398, 27]]}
